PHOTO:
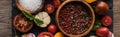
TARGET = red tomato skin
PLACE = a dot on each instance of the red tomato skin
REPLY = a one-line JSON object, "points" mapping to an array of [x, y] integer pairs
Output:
{"points": [[57, 3], [102, 8], [102, 31], [52, 28], [49, 8], [45, 33], [106, 20]]}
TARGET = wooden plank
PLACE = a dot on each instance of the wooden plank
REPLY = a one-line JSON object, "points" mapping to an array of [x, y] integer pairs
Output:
{"points": [[116, 21], [5, 18]]}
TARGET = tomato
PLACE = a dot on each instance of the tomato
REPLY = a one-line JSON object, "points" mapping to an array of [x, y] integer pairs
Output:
{"points": [[102, 8], [52, 28], [106, 20], [45, 34], [102, 31], [22, 23], [57, 3], [49, 8]]}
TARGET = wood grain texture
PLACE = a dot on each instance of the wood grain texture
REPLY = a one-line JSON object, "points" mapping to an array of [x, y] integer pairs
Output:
{"points": [[5, 18], [116, 11]]}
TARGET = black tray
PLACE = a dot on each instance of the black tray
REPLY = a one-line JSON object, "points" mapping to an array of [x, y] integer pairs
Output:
{"points": [[36, 30]]}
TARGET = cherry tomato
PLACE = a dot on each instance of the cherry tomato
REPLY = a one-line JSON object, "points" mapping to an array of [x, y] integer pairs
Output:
{"points": [[45, 34], [52, 28], [106, 20], [57, 3], [102, 8], [49, 8], [102, 31]]}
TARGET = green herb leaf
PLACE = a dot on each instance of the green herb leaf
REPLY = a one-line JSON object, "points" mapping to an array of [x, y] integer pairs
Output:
{"points": [[38, 21], [31, 17], [97, 24]]}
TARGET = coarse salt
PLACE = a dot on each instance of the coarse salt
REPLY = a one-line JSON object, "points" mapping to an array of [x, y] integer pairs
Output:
{"points": [[31, 5]]}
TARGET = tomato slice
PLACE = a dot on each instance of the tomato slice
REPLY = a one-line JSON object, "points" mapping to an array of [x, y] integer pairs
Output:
{"points": [[22, 24]]}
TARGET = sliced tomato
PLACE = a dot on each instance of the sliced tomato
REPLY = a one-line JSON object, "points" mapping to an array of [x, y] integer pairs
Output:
{"points": [[22, 24]]}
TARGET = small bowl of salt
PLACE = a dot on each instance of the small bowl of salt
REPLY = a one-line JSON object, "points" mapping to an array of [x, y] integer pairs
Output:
{"points": [[30, 6]]}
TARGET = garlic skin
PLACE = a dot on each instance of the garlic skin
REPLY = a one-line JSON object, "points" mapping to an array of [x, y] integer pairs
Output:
{"points": [[43, 16]]}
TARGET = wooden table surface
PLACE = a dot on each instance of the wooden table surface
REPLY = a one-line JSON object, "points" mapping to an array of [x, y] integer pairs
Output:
{"points": [[5, 18]]}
